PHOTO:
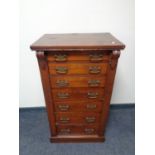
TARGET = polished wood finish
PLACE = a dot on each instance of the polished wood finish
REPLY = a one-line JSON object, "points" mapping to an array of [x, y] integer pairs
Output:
{"points": [[77, 73], [83, 94], [77, 81], [44, 72], [53, 42], [77, 68], [78, 119], [78, 106], [78, 56], [77, 138], [77, 130]]}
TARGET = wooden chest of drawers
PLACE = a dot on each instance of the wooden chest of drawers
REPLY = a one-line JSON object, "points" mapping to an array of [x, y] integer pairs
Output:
{"points": [[77, 72]]}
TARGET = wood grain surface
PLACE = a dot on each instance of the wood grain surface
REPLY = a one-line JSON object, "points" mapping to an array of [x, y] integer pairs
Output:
{"points": [[52, 42], [77, 73]]}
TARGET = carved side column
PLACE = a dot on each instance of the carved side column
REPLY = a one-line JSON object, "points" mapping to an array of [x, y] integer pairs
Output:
{"points": [[108, 88], [44, 72]]}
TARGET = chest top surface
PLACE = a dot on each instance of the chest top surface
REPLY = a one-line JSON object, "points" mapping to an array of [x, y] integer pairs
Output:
{"points": [[77, 41]]}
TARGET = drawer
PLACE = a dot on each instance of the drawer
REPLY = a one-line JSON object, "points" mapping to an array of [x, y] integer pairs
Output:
{"points": [[77, 68], [89, 57], [75, 130], [77, 118], [77, 81], [77, 106], [79, 94]]}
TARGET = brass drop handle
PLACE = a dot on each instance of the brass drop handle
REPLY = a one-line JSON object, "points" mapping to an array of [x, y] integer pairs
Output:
{"points": [[92, 95], [91, 106], [63, 95], [64, 119], [60, 57], [94, 70], [62, 83], [89, 131], [96, 57], [63, 107], [93, 83], [90, 119], [65, 131], [61, 70]]}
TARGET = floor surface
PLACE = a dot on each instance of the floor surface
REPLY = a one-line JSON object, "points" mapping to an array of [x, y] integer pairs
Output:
{"points": [[34, 135]]}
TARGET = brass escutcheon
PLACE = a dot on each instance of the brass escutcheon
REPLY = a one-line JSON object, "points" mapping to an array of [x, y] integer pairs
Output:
{"points": [[91, 106], [93, 83], [64, 119], [90, 119], [65, 131], [89, 130], [92, 95], [94, 70], [60, 57], [61, 70], [96, 57], [63, 95], [63, 107], [62, 83]]}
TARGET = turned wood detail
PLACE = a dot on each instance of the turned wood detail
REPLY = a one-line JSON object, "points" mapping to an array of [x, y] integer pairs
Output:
{"points": [[41, 56], [114, 57], [116, 54]]}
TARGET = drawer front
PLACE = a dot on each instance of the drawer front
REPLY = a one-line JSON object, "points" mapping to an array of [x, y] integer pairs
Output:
{"points": [[77, 68], [77, 118], [77, 81], [76, 130], [82, 94], [78, 106], [89, 57]]}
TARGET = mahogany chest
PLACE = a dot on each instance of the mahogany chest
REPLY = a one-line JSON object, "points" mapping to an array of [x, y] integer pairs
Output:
{"points": [[77, 73]]}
